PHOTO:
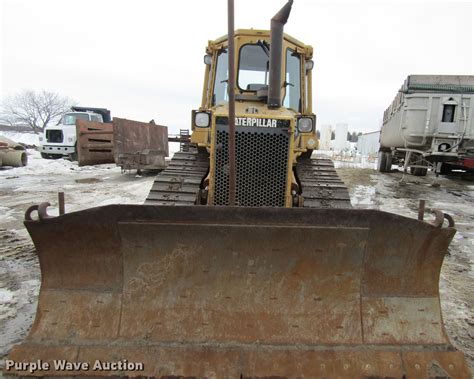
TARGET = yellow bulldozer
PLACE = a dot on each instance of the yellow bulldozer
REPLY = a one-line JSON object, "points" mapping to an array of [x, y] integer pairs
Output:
{"points": [[282, 279]]}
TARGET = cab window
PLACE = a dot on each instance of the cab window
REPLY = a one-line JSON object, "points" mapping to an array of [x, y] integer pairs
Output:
{"points": [[70, 119], [292, 81], [222, 78], [253, 67]]}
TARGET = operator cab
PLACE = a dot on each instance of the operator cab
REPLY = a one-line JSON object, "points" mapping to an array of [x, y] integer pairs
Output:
{"points": [[252, 75]]}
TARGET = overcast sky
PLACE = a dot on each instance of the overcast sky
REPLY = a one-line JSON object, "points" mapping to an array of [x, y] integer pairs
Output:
{"points": [[143, 59]]}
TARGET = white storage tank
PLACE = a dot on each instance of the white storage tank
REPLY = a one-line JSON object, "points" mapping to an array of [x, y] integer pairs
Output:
{"points": [[341, 142], [325, 137]]}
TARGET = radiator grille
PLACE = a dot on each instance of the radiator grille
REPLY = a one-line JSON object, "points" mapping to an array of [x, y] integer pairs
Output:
{"points": [[261, 160]]}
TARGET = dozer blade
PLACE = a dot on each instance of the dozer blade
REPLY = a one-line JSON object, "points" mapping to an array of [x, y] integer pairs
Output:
{"points": [[223, 292]]}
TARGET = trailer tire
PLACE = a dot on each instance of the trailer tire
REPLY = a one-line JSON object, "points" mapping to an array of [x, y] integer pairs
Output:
{"points": [[383, 163], [388, 163], [418, 171], [417, 160], [445, 169]]}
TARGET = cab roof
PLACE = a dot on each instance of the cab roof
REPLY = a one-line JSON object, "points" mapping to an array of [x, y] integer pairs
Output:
{"points": [[260, 33]]}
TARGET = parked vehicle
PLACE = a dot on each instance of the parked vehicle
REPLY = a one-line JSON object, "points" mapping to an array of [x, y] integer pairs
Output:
{"points": [[430, 125], [60, 140]]}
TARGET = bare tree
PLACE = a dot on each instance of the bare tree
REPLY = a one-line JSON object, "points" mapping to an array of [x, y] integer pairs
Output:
{"points": [[35, 109]]}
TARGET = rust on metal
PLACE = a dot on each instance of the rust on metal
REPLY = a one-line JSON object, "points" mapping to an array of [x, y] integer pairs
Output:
{"points": [[61, 204], [231, 90], [94, 142], [140, 145], [421, 210], [439, 218], [242, 292]]}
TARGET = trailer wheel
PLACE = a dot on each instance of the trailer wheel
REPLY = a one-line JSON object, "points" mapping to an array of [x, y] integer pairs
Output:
{"points": [[388, 163], [445, 169], [383, 165], [419, 171]]}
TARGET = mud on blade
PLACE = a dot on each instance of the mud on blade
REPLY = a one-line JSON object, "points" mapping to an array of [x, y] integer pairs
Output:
{"points": [[225, 292]]}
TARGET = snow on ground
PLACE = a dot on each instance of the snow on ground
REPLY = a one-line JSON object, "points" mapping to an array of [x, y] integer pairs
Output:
{"points": [[371, 189], [86, 187], [22, 137], [21, 187]]}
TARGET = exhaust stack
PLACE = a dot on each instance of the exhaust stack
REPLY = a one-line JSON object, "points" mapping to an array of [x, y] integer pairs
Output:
{"points": [[276, 43]]}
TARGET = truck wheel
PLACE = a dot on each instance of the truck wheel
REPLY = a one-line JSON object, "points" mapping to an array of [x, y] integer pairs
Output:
{"points": [[445, 169], [73, 156], [388, 162], [418, 171], [417, 160], [382, 162]]}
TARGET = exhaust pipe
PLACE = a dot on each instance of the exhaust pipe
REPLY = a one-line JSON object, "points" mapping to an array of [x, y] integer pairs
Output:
{"points": [[276, 47]]}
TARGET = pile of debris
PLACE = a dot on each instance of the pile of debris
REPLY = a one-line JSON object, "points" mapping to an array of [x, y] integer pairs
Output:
{"points": [[11, 153]]}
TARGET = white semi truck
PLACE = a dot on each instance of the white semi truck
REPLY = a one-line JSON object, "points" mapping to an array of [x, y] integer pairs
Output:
{"points": [[430, 125], [60, 140]]}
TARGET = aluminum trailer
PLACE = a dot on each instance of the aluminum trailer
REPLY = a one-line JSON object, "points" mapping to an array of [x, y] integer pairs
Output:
{"points": [[430, 125]]}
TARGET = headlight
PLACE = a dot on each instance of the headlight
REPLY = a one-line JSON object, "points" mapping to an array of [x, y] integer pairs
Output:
{"points": [[202, 119], [40, 138], [70, 139], [305, 125]]}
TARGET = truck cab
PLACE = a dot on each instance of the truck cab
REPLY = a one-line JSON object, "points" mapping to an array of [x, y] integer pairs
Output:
{"points": [[60, 140]]}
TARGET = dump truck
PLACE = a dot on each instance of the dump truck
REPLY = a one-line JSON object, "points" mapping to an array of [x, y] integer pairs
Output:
{"points": [[60, 140], [430, 125], [289, 281]]}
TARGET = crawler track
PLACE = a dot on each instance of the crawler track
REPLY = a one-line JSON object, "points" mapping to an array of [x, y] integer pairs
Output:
{"points": [[322, 187], [179, 183]]}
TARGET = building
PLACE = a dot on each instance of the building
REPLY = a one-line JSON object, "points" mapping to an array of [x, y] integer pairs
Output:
{"points": [[368, 143]]}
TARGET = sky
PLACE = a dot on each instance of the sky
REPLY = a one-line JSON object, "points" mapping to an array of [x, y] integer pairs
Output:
{"points": [[143, 59]]}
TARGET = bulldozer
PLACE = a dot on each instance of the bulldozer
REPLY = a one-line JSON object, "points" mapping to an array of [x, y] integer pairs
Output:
{"points": [[283, 278]]}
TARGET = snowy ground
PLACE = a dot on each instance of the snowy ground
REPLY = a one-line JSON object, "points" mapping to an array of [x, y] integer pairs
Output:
{"points": [[21, 137], [400, 194], [87, 187]]}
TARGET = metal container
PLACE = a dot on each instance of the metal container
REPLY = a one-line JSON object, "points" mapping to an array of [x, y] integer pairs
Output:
{"points": [[433, 114], [139, 145]]}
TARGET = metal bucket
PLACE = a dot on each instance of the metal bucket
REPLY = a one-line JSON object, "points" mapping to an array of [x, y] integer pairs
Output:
{"points": [[241, 292]]}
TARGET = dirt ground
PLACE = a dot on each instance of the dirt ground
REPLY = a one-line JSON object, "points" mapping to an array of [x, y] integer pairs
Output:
{"points": [[88, 187], [400, 194]]}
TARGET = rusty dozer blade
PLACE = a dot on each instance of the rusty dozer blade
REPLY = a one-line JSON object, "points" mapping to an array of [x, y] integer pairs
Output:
{"points": [[241, 292]]}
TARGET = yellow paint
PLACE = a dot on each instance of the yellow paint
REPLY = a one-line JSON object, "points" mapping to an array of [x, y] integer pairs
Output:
{"points": [[298, 145]]}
